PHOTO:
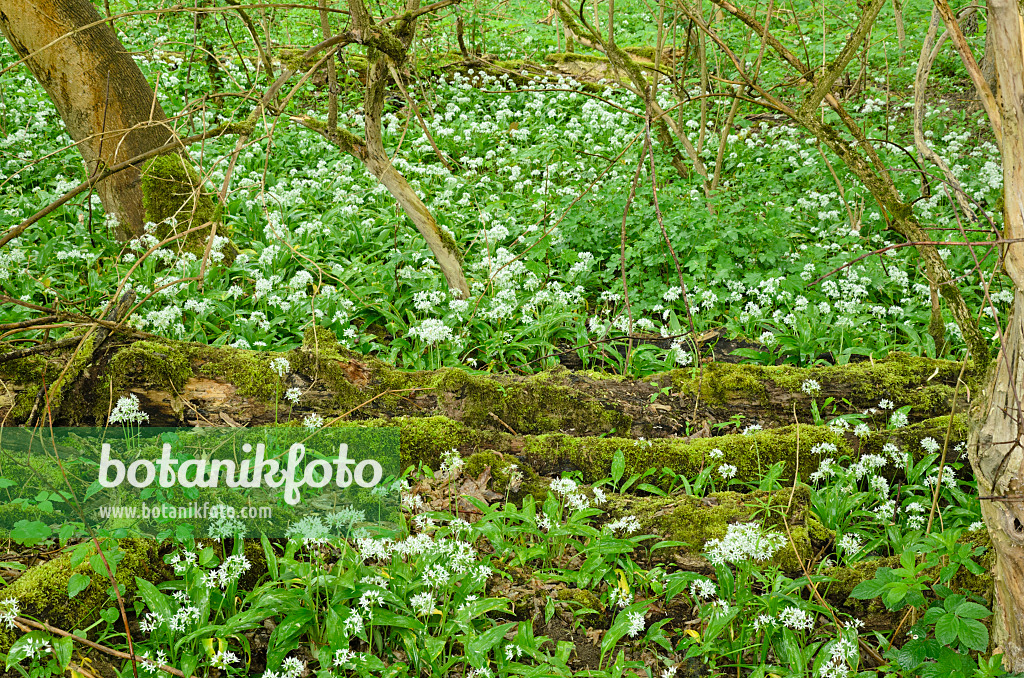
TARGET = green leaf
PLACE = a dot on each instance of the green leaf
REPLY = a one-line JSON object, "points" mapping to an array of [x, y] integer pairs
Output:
{"points": [[969, 610], [382, 617], [896, 593], [872, 588], [478, 648], [270, 555], [285, 637], [946, 629], [618, 466], [62, 648], [973, 634], [23, 647], [77, 583], [30, 533], [155, 600]]}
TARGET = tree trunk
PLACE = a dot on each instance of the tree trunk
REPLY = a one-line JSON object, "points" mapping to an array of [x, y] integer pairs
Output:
{"points": [[104, 100], [997, 436]]}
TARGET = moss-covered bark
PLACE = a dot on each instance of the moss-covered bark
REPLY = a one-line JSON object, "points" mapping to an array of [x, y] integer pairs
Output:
{"points": [[180, 382], [42, 591]]}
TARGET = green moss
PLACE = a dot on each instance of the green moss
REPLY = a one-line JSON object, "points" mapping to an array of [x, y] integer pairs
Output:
{"points": [[642, 51], [449, 243], [562, 57], [248, 371], [925, 384], [501, 475], [721, 382], [425, 440], [28, 372], [697, 520], [536, 404], [581, 599], [42, 591], [751, 454], [173, 193]]}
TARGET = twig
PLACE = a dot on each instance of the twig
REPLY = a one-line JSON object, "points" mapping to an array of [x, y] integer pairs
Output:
{"points": [[96, 646], [499, 420]]}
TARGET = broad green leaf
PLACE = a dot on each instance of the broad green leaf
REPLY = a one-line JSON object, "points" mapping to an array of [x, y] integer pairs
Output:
{"points": [[478, 648], [946, 629], [872, 588], [973, 634], [969, 610], [62, 648], [618, 467], [77, 583], [25, 647]]}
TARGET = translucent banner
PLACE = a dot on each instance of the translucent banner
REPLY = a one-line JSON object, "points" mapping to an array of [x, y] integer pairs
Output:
{"points": [[199, 482]]}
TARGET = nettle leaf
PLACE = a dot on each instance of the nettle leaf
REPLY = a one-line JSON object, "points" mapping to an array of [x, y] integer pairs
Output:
{"points": [[895, 594], [30, 533]]}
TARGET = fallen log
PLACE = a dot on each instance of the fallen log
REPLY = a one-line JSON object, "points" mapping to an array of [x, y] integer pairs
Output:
{"points": [[191, 384]]}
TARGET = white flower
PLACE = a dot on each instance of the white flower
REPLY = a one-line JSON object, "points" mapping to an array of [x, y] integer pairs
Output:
{"points": [[727, 471], [292, 667], [280, 366], [313, 421], [220, 660], [753, 428], [422, 603], [898, 420], [811, 387], [626, 524], [796, 619], [563, 486], [342, 657], [744, 541], [127, 411], [703, 588], [292, 395], [930, 445], [636, 623], [432, 331], [885, 404], [8, 611], [850, 543]]}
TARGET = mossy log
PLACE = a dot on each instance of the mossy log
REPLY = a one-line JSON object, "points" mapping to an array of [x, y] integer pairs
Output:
{"points": [[191, 384], [42, 590]]}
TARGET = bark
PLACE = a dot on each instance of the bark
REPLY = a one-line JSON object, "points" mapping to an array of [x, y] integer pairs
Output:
{"points": [[996, 446], [104, 100]]}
